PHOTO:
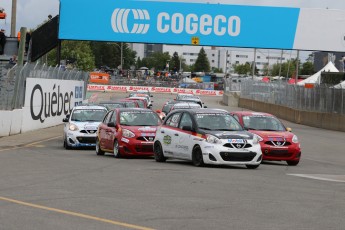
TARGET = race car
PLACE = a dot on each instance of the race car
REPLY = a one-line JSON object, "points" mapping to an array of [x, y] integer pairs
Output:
{"points": [[277, 142], [190, 98], [81, 125], [127, 132], [206, 136], [173, 105]]}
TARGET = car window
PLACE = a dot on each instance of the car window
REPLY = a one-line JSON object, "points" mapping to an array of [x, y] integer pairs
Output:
{"points": [[88, 114], [263, 123], [236, 117], [186, 120], [217, 121], [130, 104], [166, 108], [113, 117], [107, 117], [173, 120]]}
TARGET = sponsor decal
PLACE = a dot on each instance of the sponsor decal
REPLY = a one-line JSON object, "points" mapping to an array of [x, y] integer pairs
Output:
{"points": [[167, 140], [148, 134], [117, 88], [236, 141], [121, 17], [125, 140], [182, 147], [90, 127], [96, 87], [147, 129], [53, 103]]}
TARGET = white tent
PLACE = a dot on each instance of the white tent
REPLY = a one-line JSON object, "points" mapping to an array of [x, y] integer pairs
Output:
{"points": [[317, 76]]}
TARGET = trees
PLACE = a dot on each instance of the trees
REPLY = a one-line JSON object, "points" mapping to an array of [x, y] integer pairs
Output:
{"points": [[307, 68], [156, 60], [242, 69], [175, 62], [202, 63]]}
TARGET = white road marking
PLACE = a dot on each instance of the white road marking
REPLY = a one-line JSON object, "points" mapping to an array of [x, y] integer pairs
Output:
{"points": [[324, 177]]}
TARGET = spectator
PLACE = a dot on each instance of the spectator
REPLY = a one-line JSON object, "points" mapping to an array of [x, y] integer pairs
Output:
{"points": [[27, 41], [2, 41], [13, 60]]}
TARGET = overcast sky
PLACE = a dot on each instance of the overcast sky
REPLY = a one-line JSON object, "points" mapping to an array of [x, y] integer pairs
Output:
{"points": [[31, 13]]}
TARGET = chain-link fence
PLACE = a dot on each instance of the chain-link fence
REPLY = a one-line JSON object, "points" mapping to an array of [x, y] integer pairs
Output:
{"points": [[320, 98], [232, 84], [12, 81]]}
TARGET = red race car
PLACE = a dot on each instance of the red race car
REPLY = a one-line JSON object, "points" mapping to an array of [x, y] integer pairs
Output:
{"points": [[127, 132], [277, 142]]}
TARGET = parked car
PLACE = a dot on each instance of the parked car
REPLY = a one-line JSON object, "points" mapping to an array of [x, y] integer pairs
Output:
{"points": [[277, 142], [119, 104], [127, 132], [81, 125], [206, 136]]}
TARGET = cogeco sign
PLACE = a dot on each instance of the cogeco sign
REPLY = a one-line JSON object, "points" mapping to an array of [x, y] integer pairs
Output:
{"points": [[176, 23]]}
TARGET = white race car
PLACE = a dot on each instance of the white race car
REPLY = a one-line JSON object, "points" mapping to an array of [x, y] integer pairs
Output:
{"points": [[206, 136], [80, 129]]}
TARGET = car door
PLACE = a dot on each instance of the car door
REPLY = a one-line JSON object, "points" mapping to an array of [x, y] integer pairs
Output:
{"points": [[111, 131], [169, 132], [102, 134], [185, 142]]}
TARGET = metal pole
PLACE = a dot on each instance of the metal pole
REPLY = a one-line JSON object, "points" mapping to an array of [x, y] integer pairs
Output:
{"points": [[121, 55], [253, 67], [297, 66], [280, 67], [14, 18], [21, 46]]}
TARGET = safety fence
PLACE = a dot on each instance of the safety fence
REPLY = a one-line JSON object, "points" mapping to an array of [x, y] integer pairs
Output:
{"points": [[320, 98], [13, 81]]}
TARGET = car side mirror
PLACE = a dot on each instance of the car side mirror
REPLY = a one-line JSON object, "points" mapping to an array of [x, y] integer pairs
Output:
{"points": [[158, 111], [205, 106], [289, 129], [111, 124], [151, 95], [187, 128], [65, 119]]}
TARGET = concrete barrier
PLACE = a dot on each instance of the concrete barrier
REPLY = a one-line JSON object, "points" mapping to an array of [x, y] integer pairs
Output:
{"points": [[10, 122], [329, 121], [231, 98]]}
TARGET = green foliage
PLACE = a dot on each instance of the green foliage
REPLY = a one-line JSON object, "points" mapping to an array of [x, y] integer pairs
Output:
{"points": [[307, 68], [332, 78], [202, 63], [288, 69], [156, 60], [78, 50], [242, 69], [216, 70], [175, 62]]}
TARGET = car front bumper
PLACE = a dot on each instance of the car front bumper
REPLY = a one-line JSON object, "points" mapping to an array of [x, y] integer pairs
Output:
{"points": [[284, 153], [77, 139], [133, 147]]}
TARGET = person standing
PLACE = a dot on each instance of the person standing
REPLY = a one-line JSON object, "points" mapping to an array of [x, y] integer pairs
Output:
{"points": [[2, 41]]}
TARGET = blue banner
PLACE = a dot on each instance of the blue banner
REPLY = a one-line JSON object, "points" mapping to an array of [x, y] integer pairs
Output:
{"points": [[178, 23]]}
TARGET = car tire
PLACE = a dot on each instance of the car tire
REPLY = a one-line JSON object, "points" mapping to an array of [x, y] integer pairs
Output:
{"points": [[65, 145], [292, 163], [252, 166], [116, 149], [158, 152], [197, 157], [99, 151]]}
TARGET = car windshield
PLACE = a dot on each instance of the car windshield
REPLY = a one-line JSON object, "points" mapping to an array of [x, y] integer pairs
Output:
{"points": [[84, 115], [167, 108], [139, 118], [265, 123], [130, 104], [188, 97], [188, 106], [110, 106], [217, 121]]}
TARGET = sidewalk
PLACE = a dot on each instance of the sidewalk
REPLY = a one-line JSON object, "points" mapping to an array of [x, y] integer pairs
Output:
{"points": [[31, 137]]}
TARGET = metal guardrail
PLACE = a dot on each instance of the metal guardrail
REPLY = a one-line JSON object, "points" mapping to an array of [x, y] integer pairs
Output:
{"points": [[13, 78], [321, 98]]}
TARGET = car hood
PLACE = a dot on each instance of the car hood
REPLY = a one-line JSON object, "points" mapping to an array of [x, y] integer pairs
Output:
{"points": [[141, 129], [231, 134], [273, 134]]}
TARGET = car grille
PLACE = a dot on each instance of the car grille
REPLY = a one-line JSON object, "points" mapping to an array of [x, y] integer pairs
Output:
{"points": [[87, 140], [144, 147], [237, 156], [228, 145], [277, 143], [278, 153], [88, 131]]}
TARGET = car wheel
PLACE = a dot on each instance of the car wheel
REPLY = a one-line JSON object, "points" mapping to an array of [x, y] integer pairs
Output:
{"points": [[65, 145], [99, 151], [252, 166], [158, 151], [292, 163], [116, 149], [197, 157]]}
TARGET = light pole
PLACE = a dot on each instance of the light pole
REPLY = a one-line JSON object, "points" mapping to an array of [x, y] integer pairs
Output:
{"points": [[121, 54]]}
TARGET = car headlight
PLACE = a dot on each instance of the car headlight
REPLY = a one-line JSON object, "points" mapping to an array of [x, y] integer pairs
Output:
{"points": [[127, 133], [73, 127], [212, 139], [295, 139], [257, 139]]}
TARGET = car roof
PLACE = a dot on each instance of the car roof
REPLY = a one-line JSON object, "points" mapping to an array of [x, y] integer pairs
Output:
{"points": [[111, 102], [185, 104], [133, 109], [89, 107], [201, 111], [252, 113]]}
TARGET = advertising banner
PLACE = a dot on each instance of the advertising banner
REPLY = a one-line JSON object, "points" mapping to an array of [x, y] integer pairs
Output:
{"points": [[47, 101], [210, 23]]}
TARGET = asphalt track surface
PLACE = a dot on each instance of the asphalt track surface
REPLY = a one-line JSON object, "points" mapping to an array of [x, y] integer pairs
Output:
{"points": [[43, 186]]}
